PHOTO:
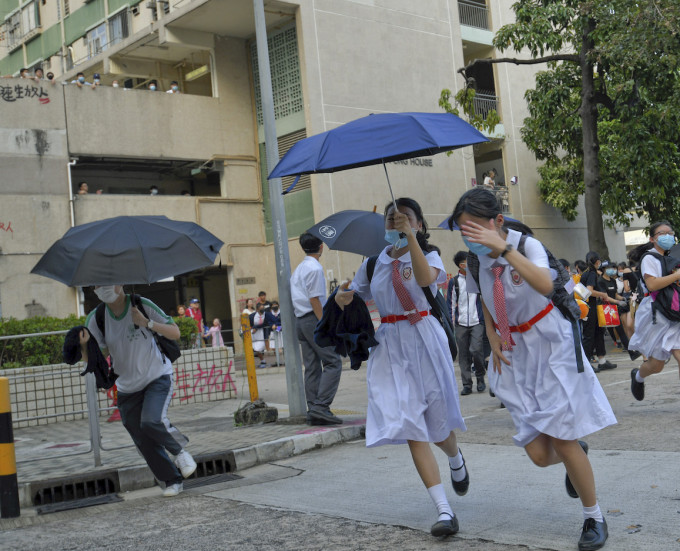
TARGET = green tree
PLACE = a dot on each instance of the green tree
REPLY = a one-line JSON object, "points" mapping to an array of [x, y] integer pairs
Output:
{"points": [[603, 116]]}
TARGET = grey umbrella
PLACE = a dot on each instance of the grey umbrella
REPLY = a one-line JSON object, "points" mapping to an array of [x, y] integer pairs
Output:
{"points": [[128, 250], [354, 231]]}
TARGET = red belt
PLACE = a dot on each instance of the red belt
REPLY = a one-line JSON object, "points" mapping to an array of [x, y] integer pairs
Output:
{"points": [[524, 327], [394, 319]]}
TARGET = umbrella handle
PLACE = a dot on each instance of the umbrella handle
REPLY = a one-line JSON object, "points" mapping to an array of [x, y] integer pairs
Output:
{"points": [[390, 186]]}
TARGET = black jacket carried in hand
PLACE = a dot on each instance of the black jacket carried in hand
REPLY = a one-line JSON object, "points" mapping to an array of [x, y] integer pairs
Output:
{"points": [[350, 330], [96, 362]]}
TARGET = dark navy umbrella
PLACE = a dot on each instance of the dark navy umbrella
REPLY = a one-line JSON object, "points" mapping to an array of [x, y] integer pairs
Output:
{"points": [[353, 231], [377, 139], [128, 250]]}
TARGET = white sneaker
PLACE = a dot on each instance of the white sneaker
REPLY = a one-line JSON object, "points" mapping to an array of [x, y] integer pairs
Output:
{"points": [[185, 463], [173, 489]]}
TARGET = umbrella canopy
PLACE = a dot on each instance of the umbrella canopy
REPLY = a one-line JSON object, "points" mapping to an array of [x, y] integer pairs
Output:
{"points": [[353, 231], [128, 250], [377, 139]]}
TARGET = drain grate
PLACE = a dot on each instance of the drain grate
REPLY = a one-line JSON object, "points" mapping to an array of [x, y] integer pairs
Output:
{"points": [[75, 488], [77, 504], [207, 480], [213, 464]]}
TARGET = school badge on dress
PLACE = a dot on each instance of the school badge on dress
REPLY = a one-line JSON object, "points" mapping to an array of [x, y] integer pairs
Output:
{"points": [[407, 272], [516, 278]]}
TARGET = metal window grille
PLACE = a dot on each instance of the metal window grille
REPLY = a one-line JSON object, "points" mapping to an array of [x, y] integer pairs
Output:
{"points": [[473, 14]]}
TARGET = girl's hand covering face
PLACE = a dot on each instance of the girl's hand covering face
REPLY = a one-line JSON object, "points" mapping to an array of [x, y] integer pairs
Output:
{"points": [[476, 233]]}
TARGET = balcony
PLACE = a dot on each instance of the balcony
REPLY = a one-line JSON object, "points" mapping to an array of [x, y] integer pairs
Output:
{"points": [[485, 101], [473, 14]]}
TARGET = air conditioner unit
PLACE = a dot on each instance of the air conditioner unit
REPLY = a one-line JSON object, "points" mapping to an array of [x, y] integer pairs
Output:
{"points": [[134, 10]]}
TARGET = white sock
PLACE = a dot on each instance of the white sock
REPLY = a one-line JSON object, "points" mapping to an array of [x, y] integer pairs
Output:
{"points": [[438, 495], [601, 361], [638, 378], [593, 512], [456, 462]]}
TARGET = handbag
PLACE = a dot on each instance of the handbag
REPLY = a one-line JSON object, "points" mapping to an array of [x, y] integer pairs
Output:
{"points": [[608, 315]]}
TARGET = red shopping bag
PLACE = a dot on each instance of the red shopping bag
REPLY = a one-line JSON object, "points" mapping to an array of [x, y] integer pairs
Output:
{"points": [[608, 315]]}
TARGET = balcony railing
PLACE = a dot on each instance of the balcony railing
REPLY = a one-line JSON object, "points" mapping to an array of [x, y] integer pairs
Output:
{"points": [[473, 14], [485, 101]]}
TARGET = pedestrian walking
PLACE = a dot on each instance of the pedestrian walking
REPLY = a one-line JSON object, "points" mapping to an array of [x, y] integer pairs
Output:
{"points": [[144, 381], [412, 390], [323, 366], [593, 334], [535, 371], [607, 283], [467, 315], [655, 336]]}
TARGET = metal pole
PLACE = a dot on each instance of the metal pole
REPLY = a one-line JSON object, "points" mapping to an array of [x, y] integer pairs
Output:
{"points": [[250, 357], [93, 417], [9, 489], [296, 393]]}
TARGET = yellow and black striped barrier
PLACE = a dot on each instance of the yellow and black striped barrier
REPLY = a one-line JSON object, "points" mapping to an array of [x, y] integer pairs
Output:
{"points": [[9, 491]]}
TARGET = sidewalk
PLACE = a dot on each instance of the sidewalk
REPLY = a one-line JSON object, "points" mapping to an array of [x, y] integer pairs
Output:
{"points": [[209, 426]]}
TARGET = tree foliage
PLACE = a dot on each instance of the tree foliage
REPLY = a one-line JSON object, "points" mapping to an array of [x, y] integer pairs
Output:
{"points": [[629, 51]]}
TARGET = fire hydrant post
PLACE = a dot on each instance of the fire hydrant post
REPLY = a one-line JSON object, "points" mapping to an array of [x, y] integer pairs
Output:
{"points": [[250, 357], [9, 490]]}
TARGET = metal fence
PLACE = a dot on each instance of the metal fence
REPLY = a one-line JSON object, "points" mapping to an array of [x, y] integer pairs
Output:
{"points": [[473, 14], [54, 393]]}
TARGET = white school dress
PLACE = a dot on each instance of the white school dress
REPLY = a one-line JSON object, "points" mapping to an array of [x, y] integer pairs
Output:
{"points": [[541, 387], [412, 390], [653, 340]]}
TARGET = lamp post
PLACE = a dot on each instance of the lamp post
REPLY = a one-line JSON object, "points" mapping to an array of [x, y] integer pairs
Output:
{"points": [[296, 395]]}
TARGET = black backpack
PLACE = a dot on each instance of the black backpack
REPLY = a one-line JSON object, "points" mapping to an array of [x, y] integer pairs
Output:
{"points": [[561, 298], [438, 309], [666, 300], [169, 348]]}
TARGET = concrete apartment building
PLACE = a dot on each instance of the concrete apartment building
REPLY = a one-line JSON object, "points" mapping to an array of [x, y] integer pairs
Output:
{"points": [[332, 61]]}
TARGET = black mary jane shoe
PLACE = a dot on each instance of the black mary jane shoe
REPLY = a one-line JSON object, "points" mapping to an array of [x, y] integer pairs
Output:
{"points": [[570, 487], [448, 527], [461, 487], [594, 535]]}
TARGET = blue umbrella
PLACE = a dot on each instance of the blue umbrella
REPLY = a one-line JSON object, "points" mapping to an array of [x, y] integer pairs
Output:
{"points": [[376, 139], [128, 250], [353, 231]]}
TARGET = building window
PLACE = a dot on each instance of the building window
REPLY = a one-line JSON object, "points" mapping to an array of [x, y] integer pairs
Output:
{"points": [[67, 8], [30, 17], [13, 29], [473, 13], [96, 41], [118, 27]]}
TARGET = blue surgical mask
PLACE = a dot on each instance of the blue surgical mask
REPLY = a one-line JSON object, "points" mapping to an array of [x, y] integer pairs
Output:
{"points": [[610, 271], [393, 237], [620, 274], [152, 88], [666, 242], [477, 248], [81, 79]]}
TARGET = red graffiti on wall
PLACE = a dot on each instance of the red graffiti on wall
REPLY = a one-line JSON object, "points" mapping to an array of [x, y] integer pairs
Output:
{"points": [[7, 227], [212, 380]]}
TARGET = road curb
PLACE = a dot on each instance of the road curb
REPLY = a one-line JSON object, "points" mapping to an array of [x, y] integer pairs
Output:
{"points": [[139, 477]]}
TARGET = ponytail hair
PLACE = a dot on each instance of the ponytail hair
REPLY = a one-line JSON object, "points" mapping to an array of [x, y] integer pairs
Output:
{"points": [[422, 235], [635, 255]]}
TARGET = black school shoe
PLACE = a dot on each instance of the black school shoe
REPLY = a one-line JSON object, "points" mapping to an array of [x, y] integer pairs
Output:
{"points": [[481, 385], [466, 390], [634, 355], [594, 535], [443, 528], [461, 487], [607, 365], [638, 389], [570, 487]]}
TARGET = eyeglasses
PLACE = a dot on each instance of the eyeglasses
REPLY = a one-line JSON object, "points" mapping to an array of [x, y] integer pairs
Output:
{"points": [[671, 233]]}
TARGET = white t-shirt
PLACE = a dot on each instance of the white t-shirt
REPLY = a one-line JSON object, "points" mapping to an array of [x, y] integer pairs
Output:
{"points": [[466, 302], [136, 358], [650, 266], [307, 281]]}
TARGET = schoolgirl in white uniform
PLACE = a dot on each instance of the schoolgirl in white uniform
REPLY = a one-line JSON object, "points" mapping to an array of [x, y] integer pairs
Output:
{"points": [[534, 365], [412, 390], [661, 340]]}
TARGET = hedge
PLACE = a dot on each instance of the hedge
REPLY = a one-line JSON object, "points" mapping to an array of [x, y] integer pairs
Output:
{"points": [[46, 350]]}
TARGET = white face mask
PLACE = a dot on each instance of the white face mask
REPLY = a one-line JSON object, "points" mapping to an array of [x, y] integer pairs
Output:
{"points": [[115, 85], [107, 293]]}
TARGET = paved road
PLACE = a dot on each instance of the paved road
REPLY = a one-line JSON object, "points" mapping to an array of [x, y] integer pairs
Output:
{"points": [[352, 498]]}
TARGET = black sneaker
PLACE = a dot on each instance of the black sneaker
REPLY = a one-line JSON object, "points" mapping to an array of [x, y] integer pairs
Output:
{"points": [[466, 390], [594, 535], [481, 385], [634, 355], [638, 389], [570, 487]]}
